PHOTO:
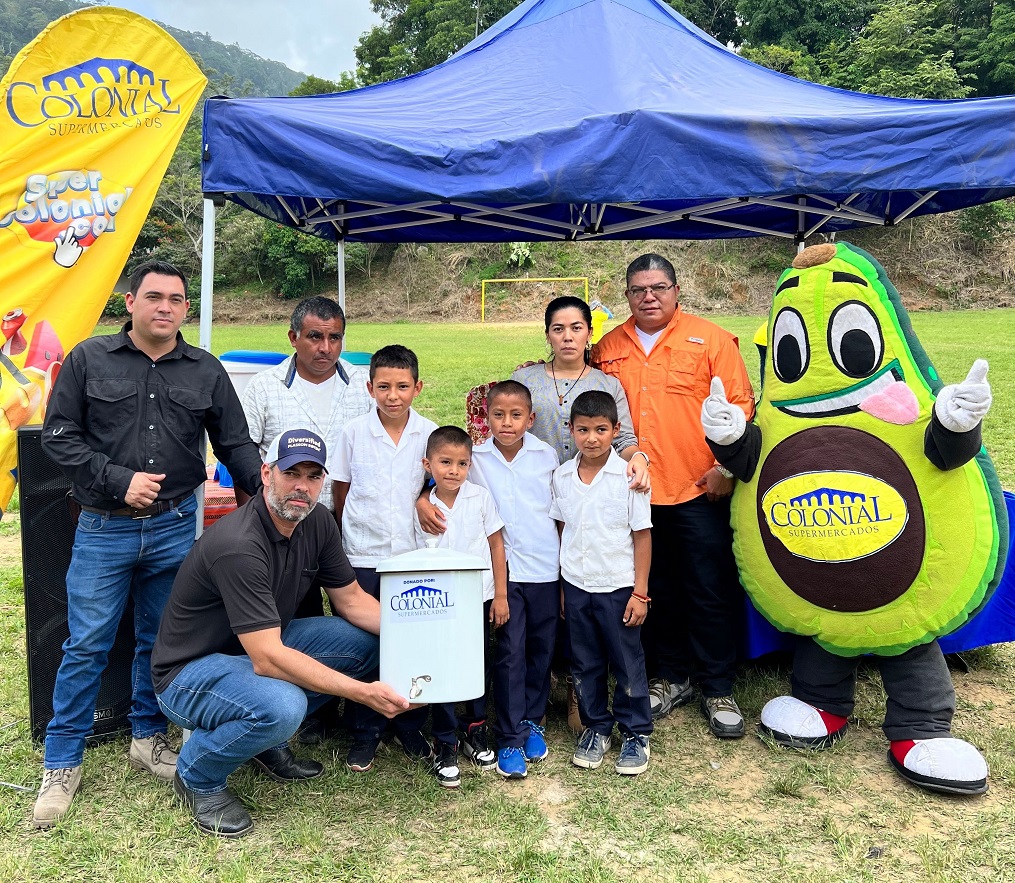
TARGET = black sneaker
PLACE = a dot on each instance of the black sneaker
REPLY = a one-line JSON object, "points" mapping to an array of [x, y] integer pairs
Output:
{"points": [[361, 755], [445, 768], [415, 745], [476, 746]]}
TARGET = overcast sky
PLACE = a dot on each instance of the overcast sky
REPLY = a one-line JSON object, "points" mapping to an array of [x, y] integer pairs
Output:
{"points": [[313, 36]]}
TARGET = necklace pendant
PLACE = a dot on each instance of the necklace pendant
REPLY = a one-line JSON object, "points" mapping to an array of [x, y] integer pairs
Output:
{"points": [[560, 399]]}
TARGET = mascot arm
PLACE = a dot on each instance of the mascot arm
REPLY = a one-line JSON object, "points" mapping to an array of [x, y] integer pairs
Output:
{"points": [[950, 450], [742, 456]]}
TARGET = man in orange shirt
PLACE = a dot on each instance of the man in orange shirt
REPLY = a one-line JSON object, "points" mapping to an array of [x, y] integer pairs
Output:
{"points": [[665, 359]]}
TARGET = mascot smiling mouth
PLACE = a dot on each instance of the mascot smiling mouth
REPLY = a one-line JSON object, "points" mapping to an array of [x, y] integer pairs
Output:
{"points": [[885, 396]]}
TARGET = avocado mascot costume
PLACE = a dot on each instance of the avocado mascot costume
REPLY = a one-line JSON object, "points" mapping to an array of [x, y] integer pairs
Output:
{"points": [[868, 517]]}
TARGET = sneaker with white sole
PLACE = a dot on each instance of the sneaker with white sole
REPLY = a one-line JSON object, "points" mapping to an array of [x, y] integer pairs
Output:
{"points": [[535, 743], [153, 753], [591, 750], [723, 716], [511, 763], [445, 767], [55, 795], [664, 696], [475, 742], [634, 755]]}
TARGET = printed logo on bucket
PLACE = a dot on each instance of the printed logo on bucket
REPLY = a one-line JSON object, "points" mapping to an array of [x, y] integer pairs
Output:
{"points": [[422, 601], [834, 516]]}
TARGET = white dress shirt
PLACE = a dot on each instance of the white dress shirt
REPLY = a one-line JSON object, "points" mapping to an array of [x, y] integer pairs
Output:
{"points": [[596, 548], [384, 483], [274, 401], [470, 522], [521, 490]]}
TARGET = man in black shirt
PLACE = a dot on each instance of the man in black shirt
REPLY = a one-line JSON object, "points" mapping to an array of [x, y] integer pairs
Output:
{"points": [[125, 424], [230, 662]]}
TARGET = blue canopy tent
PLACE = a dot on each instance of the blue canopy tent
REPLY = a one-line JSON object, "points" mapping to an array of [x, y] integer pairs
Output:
{"points": [[602, 119], [599, 119]]}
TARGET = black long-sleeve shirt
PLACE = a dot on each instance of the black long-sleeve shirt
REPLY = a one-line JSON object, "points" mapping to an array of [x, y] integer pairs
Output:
{"points": [[115, 412]]}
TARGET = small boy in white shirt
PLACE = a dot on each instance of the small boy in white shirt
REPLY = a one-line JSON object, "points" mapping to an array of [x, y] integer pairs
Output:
{"points": [[605, 555], [473, 526], [517, 468], [378, 474]]}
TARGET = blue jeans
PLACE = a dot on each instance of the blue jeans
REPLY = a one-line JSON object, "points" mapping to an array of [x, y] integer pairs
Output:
{"points": [[235, 714], [113, 558]]}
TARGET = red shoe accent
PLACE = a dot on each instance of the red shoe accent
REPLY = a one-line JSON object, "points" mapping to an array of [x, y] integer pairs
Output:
{"points": [[901, 748], [833, 722]]}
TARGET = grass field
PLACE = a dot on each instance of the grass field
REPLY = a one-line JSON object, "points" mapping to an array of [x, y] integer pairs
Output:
{"points": [[705, 810]]}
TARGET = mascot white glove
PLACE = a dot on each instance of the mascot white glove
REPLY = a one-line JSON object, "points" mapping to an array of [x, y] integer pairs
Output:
{"points": [[961, 406], [723, 422]]}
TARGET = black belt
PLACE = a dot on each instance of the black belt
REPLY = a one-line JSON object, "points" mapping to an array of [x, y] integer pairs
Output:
{"points": [[157, 508]]}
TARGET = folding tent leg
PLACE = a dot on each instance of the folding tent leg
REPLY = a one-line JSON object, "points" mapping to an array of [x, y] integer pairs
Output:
{"points": [[341, 273]]}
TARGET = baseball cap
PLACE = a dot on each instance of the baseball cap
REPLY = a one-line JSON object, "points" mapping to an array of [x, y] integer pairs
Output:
{"points": [[297, 446]]}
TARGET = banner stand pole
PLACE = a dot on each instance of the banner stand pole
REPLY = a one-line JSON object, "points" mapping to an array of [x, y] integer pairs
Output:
{"points": [[207, 273]]}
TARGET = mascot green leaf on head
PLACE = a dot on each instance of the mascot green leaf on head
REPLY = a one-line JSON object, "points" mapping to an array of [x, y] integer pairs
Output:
{"points": [[868, 518]]}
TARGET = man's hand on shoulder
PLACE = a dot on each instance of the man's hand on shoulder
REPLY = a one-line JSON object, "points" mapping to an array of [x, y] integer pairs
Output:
{"points": [[144, 489]]}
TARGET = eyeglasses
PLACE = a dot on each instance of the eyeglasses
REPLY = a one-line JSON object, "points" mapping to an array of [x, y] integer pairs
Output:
{"points": [[639, 291]]}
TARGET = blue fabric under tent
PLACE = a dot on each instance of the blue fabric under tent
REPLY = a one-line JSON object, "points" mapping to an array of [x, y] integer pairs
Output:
{"points": [[994, 624], [602, 119]]}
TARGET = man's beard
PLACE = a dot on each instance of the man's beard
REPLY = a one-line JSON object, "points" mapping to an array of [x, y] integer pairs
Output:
{"points": [[282, 506]]}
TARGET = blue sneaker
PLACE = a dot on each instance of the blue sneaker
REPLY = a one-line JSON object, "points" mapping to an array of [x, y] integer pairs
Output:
{"points": [[535, 745], [511, 764]]}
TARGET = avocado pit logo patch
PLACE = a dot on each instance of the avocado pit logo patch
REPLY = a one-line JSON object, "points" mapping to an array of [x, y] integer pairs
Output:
{"points": [[834, 516]]}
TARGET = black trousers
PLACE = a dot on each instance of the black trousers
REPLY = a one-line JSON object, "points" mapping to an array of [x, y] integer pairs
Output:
{"points": [[697, 599], [601, 643], [521, 673], [921, 697]]}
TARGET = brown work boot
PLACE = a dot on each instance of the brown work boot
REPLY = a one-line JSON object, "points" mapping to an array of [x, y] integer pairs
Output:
{"points": [[57, 791], [154, 754], [574, 720]]}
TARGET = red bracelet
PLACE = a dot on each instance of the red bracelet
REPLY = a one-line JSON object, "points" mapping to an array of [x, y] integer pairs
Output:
{"points": [[643, 598]]}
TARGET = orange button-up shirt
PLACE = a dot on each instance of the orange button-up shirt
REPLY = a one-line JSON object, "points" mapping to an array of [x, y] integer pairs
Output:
{"points": [[665, 390]]}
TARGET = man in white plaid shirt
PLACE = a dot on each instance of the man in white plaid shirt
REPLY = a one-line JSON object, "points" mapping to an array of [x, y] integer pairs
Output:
{"points": [[311, 390]]}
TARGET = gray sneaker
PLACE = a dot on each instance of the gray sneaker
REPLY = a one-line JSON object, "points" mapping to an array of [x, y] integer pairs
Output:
{"points": [[154, 754], [723, 716], [634, 755], [591, 750], [663, 696], [57, 791]]}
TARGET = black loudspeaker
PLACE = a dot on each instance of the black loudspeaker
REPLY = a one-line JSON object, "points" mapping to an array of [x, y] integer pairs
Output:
{"points": [[47, 536]]}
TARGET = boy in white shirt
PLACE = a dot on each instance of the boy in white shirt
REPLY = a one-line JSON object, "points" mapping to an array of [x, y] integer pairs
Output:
{"points": [[473, 526], [377, 471], [517, 468], [605, 555]]}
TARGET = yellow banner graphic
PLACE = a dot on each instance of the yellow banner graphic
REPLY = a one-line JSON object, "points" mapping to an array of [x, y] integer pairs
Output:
{"points": [[92, 111]]}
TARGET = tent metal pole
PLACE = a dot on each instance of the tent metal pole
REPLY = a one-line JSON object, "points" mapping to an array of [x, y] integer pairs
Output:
{"points": [[207, 272], [341, 273]]}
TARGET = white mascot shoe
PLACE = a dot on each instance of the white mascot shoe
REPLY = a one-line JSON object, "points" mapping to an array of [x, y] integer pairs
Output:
{"points": [[792, 723], [945, 764]]}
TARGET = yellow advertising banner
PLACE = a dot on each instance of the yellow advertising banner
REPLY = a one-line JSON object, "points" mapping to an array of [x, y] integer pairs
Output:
{"points": [[92, 111]]}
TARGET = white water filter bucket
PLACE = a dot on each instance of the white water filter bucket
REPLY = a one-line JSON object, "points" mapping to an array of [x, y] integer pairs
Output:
{"points": [[432, 625]]}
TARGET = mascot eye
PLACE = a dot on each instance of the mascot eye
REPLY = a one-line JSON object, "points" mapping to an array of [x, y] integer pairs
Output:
{"points": [[854, 339], [790, 351]]}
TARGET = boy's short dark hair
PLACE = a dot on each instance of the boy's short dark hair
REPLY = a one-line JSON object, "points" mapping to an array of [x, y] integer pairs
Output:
{"points": [[445, 437], [395, 356], [595, 403], [508, 388]]}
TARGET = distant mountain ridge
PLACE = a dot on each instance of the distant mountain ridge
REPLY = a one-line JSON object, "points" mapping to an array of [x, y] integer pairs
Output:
{"points": [[232, 68]]}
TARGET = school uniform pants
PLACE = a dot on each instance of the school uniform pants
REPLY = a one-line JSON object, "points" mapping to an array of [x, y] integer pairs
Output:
{"points": [[600, 642], [521, 671], [921, 697], [697, 604]]}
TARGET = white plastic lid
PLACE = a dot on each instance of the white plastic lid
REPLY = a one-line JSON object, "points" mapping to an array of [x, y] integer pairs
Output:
{"points": [[421, 560]]}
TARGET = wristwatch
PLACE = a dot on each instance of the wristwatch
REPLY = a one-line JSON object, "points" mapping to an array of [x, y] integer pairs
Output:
{"points": [[722, 470]]}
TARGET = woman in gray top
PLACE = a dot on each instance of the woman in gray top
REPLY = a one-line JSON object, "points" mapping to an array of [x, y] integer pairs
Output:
{"points": [[555, 385]]}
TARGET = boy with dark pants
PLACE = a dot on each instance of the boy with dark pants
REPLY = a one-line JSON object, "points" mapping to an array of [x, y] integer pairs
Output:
{"points": [[378, 474], [474, 527], [605, 555], [517, 468]]}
